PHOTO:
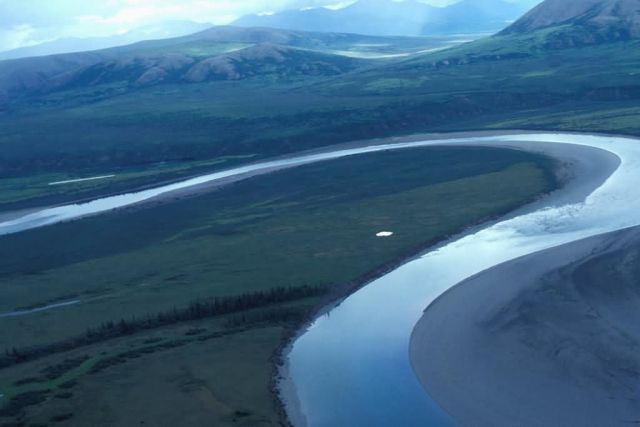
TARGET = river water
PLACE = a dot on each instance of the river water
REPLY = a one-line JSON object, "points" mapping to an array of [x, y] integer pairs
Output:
{"points": [[352, 367]]}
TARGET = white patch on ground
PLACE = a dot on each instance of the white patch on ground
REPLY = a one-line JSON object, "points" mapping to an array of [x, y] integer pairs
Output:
{"points": [[71, 181], [385, 234]]}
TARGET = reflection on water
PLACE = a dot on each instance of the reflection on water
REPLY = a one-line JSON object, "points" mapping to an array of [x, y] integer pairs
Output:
{"points": [[352, 366]]}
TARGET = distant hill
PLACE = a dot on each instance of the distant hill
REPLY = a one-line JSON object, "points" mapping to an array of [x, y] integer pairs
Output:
{"points": [[71, 45], [217, 53], [581, 22], [476, 16], [387, 17], [261, 60], [30, 74], [377, 17]]}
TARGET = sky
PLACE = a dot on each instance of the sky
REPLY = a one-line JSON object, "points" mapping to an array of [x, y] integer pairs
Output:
{"points": [[29, 22]]}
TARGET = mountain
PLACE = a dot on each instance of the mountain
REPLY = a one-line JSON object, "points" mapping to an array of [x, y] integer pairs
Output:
{"points": [[388, 17], [29, 74], [377, 17], [70, 45], [533, 63], [303, 39], [217, 53], [469, 16], [581, 22]]}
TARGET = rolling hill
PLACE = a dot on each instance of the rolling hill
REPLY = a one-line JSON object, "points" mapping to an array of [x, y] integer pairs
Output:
{"points": [[172, 59], [279, 62], [582, 22]]}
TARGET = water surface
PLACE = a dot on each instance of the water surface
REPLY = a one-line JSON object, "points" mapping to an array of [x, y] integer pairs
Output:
{"points": [[352, 367]]}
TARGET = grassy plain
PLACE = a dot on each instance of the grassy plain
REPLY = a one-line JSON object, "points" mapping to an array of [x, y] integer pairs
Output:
{"points": [[314, 225]]}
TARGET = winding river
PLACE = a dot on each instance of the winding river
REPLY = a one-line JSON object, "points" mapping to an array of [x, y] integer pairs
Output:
{"points": [[351, 366]]}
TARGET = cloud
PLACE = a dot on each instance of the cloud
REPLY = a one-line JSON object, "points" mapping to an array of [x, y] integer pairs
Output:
{"points": [[340, 5]]}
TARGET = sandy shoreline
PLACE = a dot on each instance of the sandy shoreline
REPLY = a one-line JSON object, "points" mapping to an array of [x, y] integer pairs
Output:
{"points": [[550, 339]]}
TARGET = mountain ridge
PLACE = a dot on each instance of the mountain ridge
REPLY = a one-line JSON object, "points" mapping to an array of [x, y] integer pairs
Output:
{"points": [[386, 17], [280, 62], [155, 61], [581, 22]]}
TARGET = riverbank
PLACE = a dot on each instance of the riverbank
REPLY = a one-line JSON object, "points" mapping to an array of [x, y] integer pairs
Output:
{"points": [[580, 169], [548, 339]]}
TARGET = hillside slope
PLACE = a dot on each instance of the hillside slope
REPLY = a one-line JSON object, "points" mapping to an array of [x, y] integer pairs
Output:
{"points": [[161, 57], [265, 59], [582, 22]]}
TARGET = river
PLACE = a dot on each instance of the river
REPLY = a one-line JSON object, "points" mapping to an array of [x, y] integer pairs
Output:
{"points": [[351, 366]]}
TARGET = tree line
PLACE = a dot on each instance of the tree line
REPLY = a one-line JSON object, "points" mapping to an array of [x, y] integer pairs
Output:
{"points": [[197, 310]]}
